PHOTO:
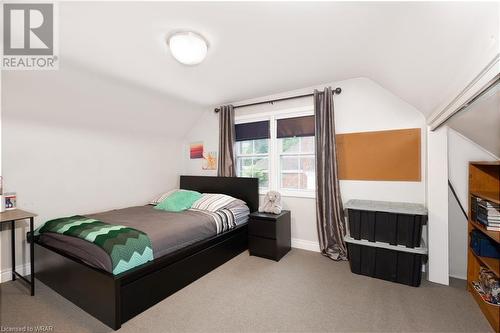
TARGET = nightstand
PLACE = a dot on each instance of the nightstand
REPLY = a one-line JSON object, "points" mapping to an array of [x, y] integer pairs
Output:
{"points": [[269, 235]]}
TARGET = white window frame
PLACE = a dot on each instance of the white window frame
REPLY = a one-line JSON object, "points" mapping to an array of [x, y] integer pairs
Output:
{"points": [[253, 156], [274, 154]]}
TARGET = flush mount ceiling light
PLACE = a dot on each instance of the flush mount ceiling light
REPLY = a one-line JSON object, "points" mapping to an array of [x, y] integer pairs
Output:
{"points": [[187, 47]]}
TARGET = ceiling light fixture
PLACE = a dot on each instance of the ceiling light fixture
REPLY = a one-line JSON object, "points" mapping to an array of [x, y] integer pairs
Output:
{"points": [[187, 47]]}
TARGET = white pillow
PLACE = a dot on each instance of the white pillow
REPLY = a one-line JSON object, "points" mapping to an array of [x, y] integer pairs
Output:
{"points": [[162, 197], [213, 202]]}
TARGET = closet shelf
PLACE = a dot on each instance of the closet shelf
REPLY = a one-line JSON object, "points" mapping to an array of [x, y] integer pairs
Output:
{"points": [[487, 195], [495, 235], [490, 311], [491, 263]]}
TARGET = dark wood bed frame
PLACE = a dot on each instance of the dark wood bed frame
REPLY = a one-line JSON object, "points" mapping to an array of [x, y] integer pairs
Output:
{"points": [[114, 299]]}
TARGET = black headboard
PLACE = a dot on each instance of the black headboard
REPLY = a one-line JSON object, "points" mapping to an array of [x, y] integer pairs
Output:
{"points": [[246, 189]]}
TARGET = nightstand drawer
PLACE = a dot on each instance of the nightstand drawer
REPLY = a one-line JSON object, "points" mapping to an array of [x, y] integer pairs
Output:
{"points": [[262, 247], [262, 228]]}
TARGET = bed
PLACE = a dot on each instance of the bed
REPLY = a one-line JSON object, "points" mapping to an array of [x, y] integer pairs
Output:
{"points": [[114, 299]]}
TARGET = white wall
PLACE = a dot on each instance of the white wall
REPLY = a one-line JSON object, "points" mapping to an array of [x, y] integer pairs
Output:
{"points": [[461, 150], [457, 235], [76, 142], [437, 205], [1, 143], [363, 105]]}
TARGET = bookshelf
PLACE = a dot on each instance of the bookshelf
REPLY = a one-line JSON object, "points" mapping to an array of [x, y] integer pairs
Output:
{"points": [[484, 182]]}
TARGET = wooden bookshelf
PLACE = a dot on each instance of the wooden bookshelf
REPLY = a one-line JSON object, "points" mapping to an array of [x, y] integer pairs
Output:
{"points": [[491, 263], [492, 234], [489, 311], [490, 196], [484, 182]]}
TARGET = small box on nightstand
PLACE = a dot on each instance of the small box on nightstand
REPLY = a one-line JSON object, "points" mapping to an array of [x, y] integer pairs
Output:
{"points": [[269, 235]]}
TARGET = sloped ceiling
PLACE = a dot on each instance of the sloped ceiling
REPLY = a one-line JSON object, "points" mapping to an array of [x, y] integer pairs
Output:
{"points": [[80, 99], [480, 122], [416, 50]]}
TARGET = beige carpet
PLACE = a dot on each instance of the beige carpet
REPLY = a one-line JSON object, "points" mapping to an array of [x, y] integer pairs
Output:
{"points": [[304, 292]]}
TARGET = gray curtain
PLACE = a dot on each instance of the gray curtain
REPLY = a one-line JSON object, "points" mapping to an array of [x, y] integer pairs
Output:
{"points": [[226, 142], [329, 211]]}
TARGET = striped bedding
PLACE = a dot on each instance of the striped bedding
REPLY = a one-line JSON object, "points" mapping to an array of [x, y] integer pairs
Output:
{"points": [[213, 202], [225, 210], [227, 218]]}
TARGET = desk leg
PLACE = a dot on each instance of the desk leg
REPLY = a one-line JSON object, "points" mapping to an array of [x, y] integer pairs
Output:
{"points": [[13, 247], [32, 258]]}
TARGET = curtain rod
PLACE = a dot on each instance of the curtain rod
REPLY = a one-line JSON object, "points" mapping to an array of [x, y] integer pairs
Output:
{"points": [[335, 91]]}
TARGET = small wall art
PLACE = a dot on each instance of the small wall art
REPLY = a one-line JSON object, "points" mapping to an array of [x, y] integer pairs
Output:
{"points": [[196, 150], [210, 161], [10, 201]]}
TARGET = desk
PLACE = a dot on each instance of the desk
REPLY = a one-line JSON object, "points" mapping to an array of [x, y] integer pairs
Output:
{"points": [[11, 216]]}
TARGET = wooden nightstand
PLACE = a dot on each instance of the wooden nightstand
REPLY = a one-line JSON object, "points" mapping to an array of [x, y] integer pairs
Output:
{"points": [[269, 235], [11, 216]]}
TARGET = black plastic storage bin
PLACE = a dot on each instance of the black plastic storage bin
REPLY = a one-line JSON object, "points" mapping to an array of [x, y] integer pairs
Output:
{"points": [[388, 222], [382, 262]]}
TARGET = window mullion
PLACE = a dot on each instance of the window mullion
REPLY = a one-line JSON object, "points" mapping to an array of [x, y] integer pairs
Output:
{"points": [[299, 159], [273, 156], [254, 162]]}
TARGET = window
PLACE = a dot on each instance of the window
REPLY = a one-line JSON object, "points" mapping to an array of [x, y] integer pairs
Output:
{"points": [[252, 151], [278, 148], [252, 160], [297, 169]]}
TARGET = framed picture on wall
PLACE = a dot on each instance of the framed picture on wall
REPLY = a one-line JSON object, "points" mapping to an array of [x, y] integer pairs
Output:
{"points": [[196, 150], [10, 200], [210, 161]]}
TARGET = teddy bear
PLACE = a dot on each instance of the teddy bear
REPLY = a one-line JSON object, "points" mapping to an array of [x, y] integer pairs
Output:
{"points": [[272, 203]]}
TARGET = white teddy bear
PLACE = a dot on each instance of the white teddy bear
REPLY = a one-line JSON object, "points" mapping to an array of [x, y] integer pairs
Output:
{"points": [[272, 203]]}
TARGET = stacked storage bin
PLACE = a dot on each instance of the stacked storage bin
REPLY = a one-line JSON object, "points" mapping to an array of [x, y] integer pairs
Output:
{"points": [[385, 240]]}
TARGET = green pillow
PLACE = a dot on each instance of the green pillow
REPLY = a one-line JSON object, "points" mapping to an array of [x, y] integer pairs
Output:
{"points": [[179, 201]]}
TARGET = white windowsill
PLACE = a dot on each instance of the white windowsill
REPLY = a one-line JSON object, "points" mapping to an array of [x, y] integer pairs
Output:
{"points": [[291, 194]]}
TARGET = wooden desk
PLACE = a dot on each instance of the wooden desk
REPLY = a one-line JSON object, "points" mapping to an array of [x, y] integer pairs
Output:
{"points": [[11, 216]]}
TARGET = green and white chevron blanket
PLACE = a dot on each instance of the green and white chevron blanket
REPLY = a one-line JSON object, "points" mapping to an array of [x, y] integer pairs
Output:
{"points": [[127, 247]]}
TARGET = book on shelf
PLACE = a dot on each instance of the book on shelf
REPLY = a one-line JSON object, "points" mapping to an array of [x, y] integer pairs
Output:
{"points": [[487, 204], [484, 218], [489, 228], [488, 211], [487, 218], [488, 225]]}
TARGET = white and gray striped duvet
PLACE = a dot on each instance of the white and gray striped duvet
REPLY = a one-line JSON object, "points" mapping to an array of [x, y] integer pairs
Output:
{"points": [[214, 202], [227, 218]]}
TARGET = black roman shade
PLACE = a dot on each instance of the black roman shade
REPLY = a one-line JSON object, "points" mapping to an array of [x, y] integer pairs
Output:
{"points": [[252, 131], [298, 126]]}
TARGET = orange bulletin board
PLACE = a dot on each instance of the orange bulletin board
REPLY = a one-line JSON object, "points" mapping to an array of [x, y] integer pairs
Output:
{"points": [[383, 155]]}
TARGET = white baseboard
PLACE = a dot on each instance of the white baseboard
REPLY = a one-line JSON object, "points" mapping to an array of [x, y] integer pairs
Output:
{"points": [[305, 245], [6, 274], [458, 277]]}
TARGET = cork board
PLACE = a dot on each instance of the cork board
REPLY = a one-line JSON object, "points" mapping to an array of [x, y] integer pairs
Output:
{"points": [[383, 155]]}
